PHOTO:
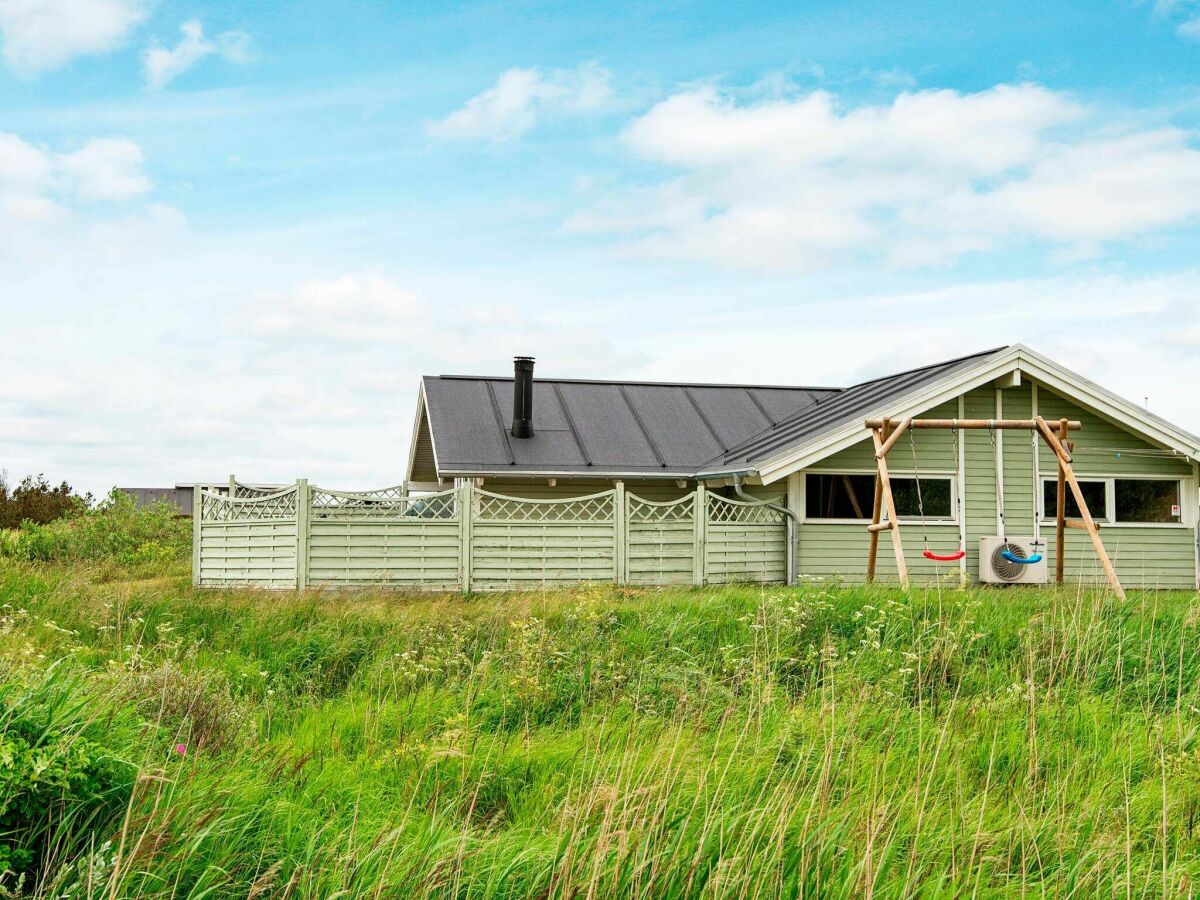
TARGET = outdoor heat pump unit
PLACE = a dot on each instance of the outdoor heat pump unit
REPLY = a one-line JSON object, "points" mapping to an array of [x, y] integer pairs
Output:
{"points": [[994, 568]]}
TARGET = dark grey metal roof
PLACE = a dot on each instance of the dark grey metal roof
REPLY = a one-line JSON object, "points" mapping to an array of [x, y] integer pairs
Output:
{"points": [[601, 427], [849, 405], [646, 429]]}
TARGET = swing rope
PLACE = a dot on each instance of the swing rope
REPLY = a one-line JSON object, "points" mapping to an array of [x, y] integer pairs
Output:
{"points": [[1005, 551], [929, 554]]}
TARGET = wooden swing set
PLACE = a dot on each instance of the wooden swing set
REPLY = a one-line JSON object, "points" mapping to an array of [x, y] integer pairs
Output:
{"points": [[885, 435]]}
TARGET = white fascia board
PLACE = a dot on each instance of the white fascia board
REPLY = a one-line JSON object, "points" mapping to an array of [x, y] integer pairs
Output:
{"points": [[416, 433], [1108, 405], [1018, 357], [917, 402]]}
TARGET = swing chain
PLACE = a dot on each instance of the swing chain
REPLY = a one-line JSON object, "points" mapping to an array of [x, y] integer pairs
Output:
{"points": [[912, 443], [999, 483]]}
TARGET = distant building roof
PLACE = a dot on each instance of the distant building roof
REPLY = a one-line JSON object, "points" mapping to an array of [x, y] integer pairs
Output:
{"points": [[610, 429]]}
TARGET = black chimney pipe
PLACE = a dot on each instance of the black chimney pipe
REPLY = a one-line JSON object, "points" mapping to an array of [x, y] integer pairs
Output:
{"points": [[522, 426]]}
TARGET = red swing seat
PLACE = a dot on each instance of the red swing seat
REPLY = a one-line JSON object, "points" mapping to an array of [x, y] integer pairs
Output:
{"points": [[948, 557]]}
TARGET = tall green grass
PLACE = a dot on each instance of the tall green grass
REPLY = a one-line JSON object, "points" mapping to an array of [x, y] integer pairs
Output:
{"points": [[823, 741]]}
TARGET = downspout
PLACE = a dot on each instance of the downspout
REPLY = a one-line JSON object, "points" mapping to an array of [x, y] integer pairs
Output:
{"points": [[793, 525]]}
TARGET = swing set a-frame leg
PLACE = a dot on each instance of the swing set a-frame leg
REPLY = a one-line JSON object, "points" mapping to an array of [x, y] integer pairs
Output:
{"points": [[884, 500], [1089, 524]]}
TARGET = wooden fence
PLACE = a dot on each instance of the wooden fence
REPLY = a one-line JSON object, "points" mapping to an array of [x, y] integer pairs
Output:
{"points": [[471, 539]]}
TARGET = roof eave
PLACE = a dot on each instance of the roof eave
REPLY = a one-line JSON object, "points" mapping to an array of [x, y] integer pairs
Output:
{"points": [[599, 474]]}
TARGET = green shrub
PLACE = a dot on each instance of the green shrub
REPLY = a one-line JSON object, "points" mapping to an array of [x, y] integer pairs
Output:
{"points": [[116, 529]]}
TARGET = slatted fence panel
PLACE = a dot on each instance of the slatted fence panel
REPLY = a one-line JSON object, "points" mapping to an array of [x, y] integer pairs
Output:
{"points": [[518, 543], [384, 538], [744, 542], [250, 542], [660, 541]]}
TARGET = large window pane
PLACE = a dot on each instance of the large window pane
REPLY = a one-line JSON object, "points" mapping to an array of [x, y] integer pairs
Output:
{"points": [[935, 495], [839, 496], [1094, 492], [853, 497], [1147, 500]]}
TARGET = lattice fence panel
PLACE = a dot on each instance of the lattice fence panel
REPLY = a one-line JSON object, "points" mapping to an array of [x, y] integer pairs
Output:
{"points": [[491, 507], [388, 503], [246, 492], [661, 541], [279, 505], [725, 511]]}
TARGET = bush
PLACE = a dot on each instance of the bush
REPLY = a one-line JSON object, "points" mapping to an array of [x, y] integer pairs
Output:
{"points": [[116, 529], [56, 778], [36, 500]]}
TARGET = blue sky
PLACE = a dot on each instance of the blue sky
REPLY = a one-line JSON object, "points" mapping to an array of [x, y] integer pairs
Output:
{"points": [[233, 235]]}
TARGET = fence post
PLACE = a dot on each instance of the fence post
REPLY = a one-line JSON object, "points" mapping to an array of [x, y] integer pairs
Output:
{"points": [[620, 523], [303, 503], [466, 510], [197, 532], [700, 515], [232, 487]]}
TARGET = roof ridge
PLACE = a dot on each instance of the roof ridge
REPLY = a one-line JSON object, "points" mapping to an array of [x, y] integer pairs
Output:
{"points": [[676, 384]]}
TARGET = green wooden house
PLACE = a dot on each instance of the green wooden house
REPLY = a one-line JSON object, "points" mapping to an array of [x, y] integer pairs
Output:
{"points": [[806, 453]]}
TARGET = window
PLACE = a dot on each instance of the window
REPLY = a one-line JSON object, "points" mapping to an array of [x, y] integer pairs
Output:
{"points": [[853, 497], [1123, 501], [935, 497], [1147, 500], [839, 496], [1094, 492]]}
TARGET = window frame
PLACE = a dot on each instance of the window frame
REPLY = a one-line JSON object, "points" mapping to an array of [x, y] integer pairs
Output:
{"points": [[1110, 500], [949, 475]]}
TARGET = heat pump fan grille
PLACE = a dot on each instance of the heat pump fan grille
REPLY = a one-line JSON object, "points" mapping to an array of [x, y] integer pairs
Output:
{"points": [[1005, 569]]}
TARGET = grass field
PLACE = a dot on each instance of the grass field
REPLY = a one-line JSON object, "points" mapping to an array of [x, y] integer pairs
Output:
{"points": [[824, 741]]}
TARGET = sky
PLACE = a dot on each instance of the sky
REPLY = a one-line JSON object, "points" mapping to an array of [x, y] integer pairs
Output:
{"points": [[233, 235]]}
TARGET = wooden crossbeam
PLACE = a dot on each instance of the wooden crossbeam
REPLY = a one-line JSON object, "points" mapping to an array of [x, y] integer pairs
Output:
{"points": [[975, 424]]}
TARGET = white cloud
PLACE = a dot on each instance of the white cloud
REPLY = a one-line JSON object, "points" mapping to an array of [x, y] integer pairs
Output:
{"points": [[163, 65], [1189, 28], [1183, 12], [52, 200], [801, 182], [40, 35], [358, 308], [519, 97], [105, 169]]}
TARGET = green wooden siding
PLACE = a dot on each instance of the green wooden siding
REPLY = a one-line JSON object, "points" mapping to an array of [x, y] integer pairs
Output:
{"points": [[1148, 557]]}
